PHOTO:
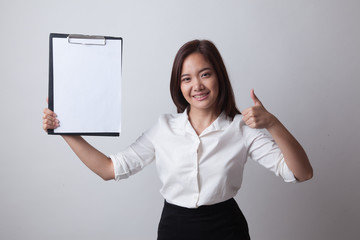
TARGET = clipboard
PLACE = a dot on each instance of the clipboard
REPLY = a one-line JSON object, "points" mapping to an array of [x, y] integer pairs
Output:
{"points": [[85, 84]]}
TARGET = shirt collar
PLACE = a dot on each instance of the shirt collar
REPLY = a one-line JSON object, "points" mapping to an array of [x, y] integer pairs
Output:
{"points": [[182, 123]]}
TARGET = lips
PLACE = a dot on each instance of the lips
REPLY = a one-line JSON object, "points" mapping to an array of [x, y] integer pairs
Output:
{"points": [[201, 96]]}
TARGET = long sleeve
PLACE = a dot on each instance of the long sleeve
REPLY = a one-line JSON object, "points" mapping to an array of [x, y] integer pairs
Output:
{"points": [[134, 158], [263, 149]]}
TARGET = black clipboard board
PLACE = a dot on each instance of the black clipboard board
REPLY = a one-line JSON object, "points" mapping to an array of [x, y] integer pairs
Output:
{"points": [[85, 84]]}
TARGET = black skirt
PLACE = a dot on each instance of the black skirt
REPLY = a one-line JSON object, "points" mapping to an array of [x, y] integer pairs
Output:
{"points": [[221, 221]]}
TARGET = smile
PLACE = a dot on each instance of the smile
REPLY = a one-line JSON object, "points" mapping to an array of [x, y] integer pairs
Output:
{"points": [[201, 97]]}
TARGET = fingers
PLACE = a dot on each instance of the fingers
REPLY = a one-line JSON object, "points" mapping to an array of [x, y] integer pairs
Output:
{"points": [[249, 117], [252, 121], [247, 111], [49, 112], [256, 117], [255, 98], [49, 120], [254, 111], [48, 124]]}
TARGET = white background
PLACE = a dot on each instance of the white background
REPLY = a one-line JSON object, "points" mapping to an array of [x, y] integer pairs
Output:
{"points": [[302, 57]]}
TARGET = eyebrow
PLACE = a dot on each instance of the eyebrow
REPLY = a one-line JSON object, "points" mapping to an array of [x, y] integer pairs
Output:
{"points": [[205, 68]]}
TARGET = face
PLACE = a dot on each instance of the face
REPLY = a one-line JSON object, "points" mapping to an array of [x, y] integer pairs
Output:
{"points": [[199, 83]]}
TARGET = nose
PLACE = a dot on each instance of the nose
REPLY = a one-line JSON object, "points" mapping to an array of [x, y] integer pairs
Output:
{"points": [[198, 85]]}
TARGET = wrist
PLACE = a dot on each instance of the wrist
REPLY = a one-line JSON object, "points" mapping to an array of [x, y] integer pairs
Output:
{"points": [[274, 123]]}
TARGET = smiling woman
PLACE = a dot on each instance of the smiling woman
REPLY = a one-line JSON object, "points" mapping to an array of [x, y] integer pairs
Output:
{"points": [[199, 85], [205, 53], [201, 151]]}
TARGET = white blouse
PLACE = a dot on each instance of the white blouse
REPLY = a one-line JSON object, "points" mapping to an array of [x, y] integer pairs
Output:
{"points": [[200, 170]]}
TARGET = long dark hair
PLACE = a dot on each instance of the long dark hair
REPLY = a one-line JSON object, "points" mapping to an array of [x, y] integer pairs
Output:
{"points": [[226, 100]]}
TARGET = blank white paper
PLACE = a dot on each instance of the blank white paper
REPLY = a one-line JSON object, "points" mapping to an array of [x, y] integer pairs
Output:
{"points": [[87, 86]]}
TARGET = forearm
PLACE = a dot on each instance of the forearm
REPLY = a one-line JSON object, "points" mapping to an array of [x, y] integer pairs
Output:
{"points": [[91, 157], [294, 155]]}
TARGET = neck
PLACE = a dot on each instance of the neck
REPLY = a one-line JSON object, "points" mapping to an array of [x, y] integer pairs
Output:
{"points": [[200, 120]]}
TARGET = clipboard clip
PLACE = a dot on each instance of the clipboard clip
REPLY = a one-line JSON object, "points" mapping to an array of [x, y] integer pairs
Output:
{"points": [[86, 39]]}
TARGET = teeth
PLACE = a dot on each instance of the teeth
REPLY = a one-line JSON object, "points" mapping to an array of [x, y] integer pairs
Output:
{"points": [[200, 96]]}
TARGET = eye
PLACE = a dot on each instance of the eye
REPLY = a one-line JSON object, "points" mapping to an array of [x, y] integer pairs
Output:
{"points": [[185, 79], [205, 75]]}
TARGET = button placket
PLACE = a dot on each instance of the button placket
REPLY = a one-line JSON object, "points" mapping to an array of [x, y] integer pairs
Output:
{"points": [[196, 169]]}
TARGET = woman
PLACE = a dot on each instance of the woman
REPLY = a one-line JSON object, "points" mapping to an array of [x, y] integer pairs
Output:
{"points": [[201, 151]]}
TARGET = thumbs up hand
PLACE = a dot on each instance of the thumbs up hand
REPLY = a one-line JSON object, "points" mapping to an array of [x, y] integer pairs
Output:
{"points": [[257, 116]]}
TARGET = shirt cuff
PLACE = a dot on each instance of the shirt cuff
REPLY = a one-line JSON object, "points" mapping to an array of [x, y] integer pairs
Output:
{"points": [[120, 169], [287, 174]]}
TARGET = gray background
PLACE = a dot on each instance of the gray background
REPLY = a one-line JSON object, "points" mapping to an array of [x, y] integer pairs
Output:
{"points": [[302, 58]]}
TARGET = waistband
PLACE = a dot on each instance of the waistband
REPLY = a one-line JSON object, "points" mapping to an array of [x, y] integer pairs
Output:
{"points": [[228, 204]]}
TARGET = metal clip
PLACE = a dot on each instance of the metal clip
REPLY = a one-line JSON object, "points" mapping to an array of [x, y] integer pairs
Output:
{"points": [[86, 39]]}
